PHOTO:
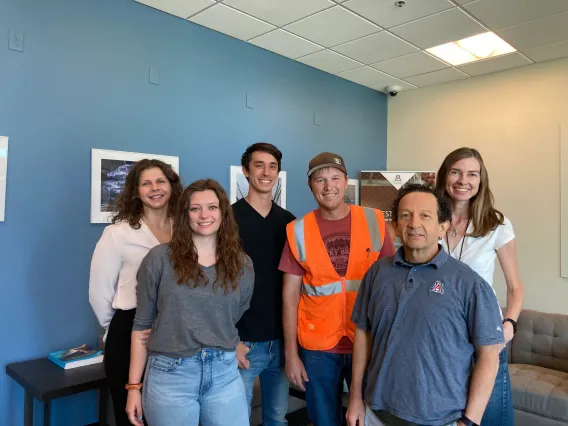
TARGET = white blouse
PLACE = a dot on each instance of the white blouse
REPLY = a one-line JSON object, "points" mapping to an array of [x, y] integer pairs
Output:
{"points": [[115, 262], [480, 253]]}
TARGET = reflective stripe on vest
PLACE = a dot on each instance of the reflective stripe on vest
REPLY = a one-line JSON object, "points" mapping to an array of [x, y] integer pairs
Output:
{"points": [[331, 288], [372, 226], [299, 237]]}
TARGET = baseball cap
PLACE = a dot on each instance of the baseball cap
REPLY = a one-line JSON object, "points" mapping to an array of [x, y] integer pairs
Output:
{"points": [[326, 159]]}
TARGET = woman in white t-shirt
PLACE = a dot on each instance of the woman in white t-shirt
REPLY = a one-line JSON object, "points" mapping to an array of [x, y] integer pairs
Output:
{"points": [[142, 221], [477, 235]]}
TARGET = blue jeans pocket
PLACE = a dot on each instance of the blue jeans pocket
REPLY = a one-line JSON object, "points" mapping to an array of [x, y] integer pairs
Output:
{"points": [[228, 358], [164, 363]]}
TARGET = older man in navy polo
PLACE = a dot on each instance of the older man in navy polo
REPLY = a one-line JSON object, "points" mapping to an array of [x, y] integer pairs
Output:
{"points": [[422, 319]]}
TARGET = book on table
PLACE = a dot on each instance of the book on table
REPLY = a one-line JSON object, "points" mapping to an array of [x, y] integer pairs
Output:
{"points": [[76, 357]]}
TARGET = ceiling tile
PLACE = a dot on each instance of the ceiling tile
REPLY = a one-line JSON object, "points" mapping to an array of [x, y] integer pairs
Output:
{"points": [[537, 33], [231, 22], [450, 25], [404, 86], [280, 12], [376, 47], [329, 61], [366, 76], [182, 8], [506, 13], [436, 77], [286, 44], [499, 63], [409, 65], [386, 14], [332, 27], [548, 52]]}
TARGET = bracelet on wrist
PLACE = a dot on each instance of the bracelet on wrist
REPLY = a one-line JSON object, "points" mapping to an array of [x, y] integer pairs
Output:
{"points": [[133, 386]]}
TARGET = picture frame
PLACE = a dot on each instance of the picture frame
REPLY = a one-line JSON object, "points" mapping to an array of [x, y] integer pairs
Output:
{"points": [[564, 200], [239, 186], [3, 175], [379, 189], [108, 173], [352, 193]]}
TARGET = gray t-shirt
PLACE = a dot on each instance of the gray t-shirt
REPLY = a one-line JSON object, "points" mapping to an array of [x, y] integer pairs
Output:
{"points": [[184, 319], [425, 322]]}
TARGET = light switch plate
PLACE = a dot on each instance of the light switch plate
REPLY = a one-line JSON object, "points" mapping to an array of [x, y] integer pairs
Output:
{"points": [[318, 118], [251, 101], [154, 76]]}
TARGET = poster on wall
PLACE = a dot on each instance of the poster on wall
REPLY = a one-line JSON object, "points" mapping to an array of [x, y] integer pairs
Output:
{"points": [[240, 186], [352, 192], [380, 188], [108, 174], [3, 175]]}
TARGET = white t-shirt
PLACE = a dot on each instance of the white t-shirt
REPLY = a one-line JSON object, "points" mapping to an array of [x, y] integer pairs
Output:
{"points": [[480, 253], [116, 259]]}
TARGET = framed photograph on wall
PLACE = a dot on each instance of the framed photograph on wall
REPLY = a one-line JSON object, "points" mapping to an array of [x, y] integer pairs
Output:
{"points": [[352, 193], [108, 174], [380, 188], [564, 200], [240, 186], [3, 175]]}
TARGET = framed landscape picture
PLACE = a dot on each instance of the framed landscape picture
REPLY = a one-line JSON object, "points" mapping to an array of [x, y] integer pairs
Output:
{"points": [[108, 173]]}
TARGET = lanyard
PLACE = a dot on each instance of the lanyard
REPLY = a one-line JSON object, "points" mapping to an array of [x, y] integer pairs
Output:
{"points": [[463, 241]]}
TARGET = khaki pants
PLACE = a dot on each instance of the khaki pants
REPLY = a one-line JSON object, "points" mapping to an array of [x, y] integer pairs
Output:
{"points": [[387, 419]]}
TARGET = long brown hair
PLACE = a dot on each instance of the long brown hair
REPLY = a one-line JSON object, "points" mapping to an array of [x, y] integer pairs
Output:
{"points": [[484, 217], [183, 254], [129, 207]]}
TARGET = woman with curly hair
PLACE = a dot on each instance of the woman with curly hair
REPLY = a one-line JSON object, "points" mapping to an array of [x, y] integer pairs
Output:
{"points": [[192, 292], [142, 221]]}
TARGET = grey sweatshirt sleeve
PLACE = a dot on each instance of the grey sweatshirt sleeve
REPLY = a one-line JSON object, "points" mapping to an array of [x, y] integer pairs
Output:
{"points": [[148, 276], [246, 285]]}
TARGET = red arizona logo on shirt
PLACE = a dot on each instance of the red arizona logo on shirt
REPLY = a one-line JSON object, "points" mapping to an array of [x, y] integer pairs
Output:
{"points": [[438, 287]]}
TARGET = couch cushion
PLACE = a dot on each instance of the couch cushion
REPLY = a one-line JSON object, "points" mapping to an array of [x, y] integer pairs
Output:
{"points": [[540, 390], [541, 339]]}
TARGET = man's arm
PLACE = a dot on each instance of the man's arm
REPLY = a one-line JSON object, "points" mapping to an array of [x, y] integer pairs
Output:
{"points": [[291, 298], [482, 381], [361, 357]]}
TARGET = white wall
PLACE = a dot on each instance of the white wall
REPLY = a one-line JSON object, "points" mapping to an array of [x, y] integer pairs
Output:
{"points": [[513, 118]]}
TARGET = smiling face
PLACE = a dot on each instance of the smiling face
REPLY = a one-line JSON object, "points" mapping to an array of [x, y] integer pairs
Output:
{"points": [[262, 172], [464, 179], [154, 189], [204, 213], [328, 186], [417, 225]]}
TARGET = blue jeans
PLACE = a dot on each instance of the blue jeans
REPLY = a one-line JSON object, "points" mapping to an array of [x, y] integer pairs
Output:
{"points": [[499, 411], [267, 361], [204, 389], [326, 372]]}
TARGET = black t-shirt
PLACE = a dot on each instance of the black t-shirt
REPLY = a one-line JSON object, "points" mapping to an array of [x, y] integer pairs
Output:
{"points": [[263, 240]]}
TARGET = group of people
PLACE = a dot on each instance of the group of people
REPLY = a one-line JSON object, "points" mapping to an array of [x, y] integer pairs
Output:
{"points": [[199, 298]]}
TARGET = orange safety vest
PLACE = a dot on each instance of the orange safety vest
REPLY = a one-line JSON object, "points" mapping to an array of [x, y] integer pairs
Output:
{"points": [[326, 302]]}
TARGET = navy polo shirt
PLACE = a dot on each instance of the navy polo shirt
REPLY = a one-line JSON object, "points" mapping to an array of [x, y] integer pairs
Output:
{"points": [[425, 321]]}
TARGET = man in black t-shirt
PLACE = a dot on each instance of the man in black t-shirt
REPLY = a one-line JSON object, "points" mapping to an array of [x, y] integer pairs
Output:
{"points": [[262, 229]]}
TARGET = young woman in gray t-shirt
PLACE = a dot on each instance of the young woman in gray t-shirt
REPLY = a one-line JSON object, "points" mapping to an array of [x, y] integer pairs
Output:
{"points": [[191, 293]]}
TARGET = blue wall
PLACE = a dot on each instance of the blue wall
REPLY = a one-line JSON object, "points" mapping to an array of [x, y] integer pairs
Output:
{"points": [[82, 83]]}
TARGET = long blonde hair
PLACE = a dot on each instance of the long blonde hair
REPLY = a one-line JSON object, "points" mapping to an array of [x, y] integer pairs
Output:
{"points": [[484, 217]]}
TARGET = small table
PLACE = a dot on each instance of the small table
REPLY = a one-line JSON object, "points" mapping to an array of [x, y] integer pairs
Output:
{"points": [[45, 381]]}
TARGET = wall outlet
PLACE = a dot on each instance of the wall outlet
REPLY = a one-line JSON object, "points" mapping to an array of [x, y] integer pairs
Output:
{"points": [[16, 40], [251, 101], [154, 76]]}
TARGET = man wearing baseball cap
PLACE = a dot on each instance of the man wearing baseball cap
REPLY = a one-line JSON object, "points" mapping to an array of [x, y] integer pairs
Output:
{"points": [[327, 253]]}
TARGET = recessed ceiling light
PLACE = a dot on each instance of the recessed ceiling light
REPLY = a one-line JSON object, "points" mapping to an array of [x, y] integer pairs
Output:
{"points": [[471, 49]]}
